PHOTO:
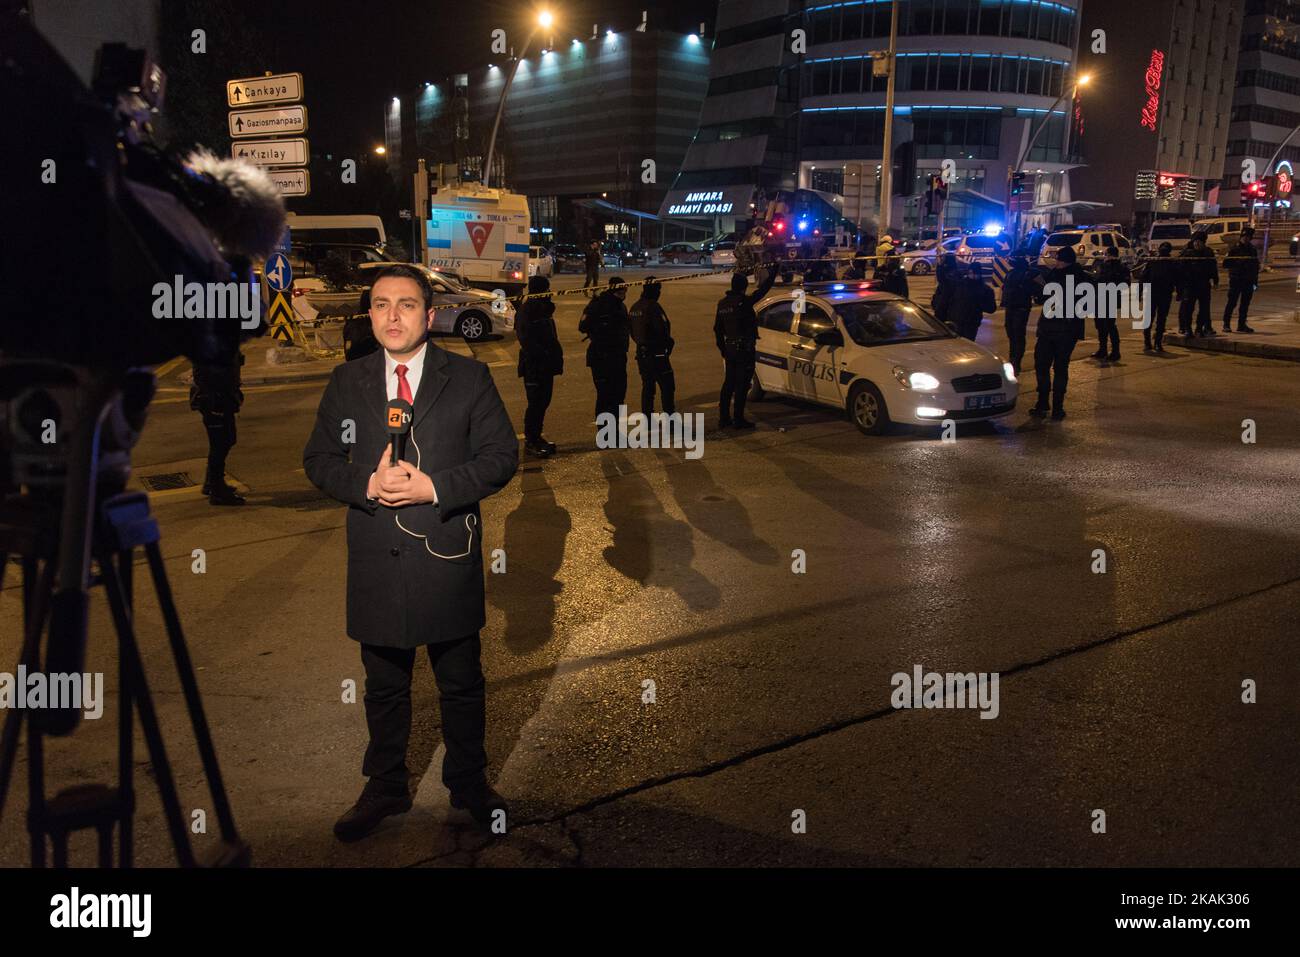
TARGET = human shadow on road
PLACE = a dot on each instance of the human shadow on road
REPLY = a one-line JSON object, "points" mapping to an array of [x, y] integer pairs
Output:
{"points": [[714, 510], [650, 546], [535, 534]]}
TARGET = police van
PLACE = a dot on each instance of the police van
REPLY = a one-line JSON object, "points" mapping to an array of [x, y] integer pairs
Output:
{"points": [[480, 233], [878, 356]]}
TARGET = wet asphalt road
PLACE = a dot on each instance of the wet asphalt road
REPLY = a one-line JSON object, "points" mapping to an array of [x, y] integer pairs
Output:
{"points": [[1119, 691]]}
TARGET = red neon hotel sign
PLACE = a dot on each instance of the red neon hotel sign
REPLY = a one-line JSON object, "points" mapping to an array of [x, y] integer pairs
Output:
{"points": [[1151, 112]]}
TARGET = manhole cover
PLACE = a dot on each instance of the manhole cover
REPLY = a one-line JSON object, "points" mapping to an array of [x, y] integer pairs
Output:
{"points": [[167, 480]]}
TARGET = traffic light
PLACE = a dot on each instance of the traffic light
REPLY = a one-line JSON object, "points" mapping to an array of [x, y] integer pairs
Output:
{"points": [[1253, 192], [935, 194], [1017, 183]]}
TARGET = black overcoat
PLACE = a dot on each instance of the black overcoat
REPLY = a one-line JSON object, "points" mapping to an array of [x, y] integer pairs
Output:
{"points": [[415, 574]]}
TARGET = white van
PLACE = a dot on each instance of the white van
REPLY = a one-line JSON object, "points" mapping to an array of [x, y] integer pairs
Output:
{"points": [[336, 230], [1221, 232], [1176, 232]]}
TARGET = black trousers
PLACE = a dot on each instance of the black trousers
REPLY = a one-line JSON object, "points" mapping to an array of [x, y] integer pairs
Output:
{"points": [[656, 371], [1107, 329], [1017, 322], [459, 675], [593, 277], [1244, 293], [1159, 317], [220, 427], [1052, 366], [737, 374], [610, 380], [539, 390], [1197, 300]]}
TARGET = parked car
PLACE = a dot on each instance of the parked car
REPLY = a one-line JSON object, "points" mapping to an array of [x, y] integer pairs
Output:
{"points": [[877, 356], [921, 262], [317, 266], [1089, 246], [723, 254], [983, 248], [1221, 232], [540, 262], [456, 309], [1176, 232], [567, 257], [623, 253], [680, 253]]}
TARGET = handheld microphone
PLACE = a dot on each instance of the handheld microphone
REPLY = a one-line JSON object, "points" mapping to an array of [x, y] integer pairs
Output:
{"points": [[398, 418]]}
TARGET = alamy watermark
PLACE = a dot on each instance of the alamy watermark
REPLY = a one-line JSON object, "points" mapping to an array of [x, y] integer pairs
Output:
{"points": [[1098, 300], [208, 300], [931, 689], [659, 430], [40, 690]]}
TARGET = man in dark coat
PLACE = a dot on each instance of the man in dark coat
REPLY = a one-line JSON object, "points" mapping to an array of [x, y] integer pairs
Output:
{"points": [[415, 561], [216, 394], [735, 330], [1161, 275], [592, 261], [1059, 328], [541, 359], [1199, 270], [1242, 264], [1019, 289], [971, 298], [1115, 272], [892, 277], [605, 324], [947, 275], [652, 333]]}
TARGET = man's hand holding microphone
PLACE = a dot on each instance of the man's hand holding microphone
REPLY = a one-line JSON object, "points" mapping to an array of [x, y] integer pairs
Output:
{"points": [[396, 482]]}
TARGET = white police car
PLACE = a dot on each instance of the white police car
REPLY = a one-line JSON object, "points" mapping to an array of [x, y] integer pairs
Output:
{"points": [[880, 357]]}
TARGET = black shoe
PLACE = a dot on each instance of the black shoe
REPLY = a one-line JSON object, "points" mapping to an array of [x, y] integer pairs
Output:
{"points": [[1160, 347], [724, 423], [1146, 345], [1227, 329], [1099, 354], [223, 494], [1058, 415], [742, 424], [372, 807], [481, 804], [1114, 357], [1244, 328], [535, 447], [1039, 410], [549, 446], [1208, 332]]}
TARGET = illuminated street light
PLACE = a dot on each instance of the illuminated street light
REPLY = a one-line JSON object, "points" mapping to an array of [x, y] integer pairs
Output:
{"points": [[544, 20], [381, 150]]}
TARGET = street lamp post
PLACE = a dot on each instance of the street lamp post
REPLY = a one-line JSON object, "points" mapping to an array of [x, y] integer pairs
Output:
{"points": [[544, 19], [887, 162], [1033, 138]]}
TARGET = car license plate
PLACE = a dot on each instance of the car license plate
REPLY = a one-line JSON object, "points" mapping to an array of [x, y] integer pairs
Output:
{"points": [[985, 401]]}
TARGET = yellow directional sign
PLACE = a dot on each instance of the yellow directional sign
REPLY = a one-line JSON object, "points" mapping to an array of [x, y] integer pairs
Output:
{"points": [[280, 318]]}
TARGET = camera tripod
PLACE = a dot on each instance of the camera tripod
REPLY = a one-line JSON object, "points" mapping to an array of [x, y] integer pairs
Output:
{"points": [[121, 524]]}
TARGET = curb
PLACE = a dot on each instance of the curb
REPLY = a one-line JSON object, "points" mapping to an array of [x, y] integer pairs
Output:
{"points": [[313, 375], [1238, 346]]}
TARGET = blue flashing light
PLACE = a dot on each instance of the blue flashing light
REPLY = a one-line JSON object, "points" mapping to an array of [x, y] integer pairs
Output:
{"points": [[803, 225], [993, 229], [838, 287]]}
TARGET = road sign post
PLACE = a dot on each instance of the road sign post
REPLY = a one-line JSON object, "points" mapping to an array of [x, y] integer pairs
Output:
{"points": [[272, 88], [285, 152]]}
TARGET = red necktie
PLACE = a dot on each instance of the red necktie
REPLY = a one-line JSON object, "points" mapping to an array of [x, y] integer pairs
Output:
{"points": [[403, 387]]}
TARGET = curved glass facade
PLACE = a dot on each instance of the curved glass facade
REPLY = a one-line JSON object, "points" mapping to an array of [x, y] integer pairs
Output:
{"points": [[1018, 19]]}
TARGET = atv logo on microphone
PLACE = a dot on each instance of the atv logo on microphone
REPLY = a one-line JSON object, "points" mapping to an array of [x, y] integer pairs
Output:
{"points": [[398, 418], [478, 235]]}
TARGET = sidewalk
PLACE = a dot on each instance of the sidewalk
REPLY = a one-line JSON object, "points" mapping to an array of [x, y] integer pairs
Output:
{"points": [[258, 371], [1272, 339]]}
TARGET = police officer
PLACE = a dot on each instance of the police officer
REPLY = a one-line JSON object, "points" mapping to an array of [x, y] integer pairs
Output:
{"points": [[971, 298], [735, 329], [216, 395], [1019, 288], [1111, 270], [1243, 273], [592, 261], [541, 359], [652, 333], [1057, 335], [1161, 273], [605, 323], [948, 273], [892, 277], [1199, 270]]}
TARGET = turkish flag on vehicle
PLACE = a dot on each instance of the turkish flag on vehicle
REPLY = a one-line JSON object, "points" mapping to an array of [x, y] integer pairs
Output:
{"points": [[478, 235]]}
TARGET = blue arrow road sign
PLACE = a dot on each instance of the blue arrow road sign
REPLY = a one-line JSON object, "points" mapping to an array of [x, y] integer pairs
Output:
{"points": [[278, 272]]}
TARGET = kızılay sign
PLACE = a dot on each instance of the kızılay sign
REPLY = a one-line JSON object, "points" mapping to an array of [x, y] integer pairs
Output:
{"points": [[703, 203]]}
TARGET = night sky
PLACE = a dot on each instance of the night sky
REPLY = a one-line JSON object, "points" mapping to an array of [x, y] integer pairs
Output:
{"points": [[356, 57]]}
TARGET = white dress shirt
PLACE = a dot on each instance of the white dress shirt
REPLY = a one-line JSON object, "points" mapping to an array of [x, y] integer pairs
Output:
{"points": [[413, 369]]}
